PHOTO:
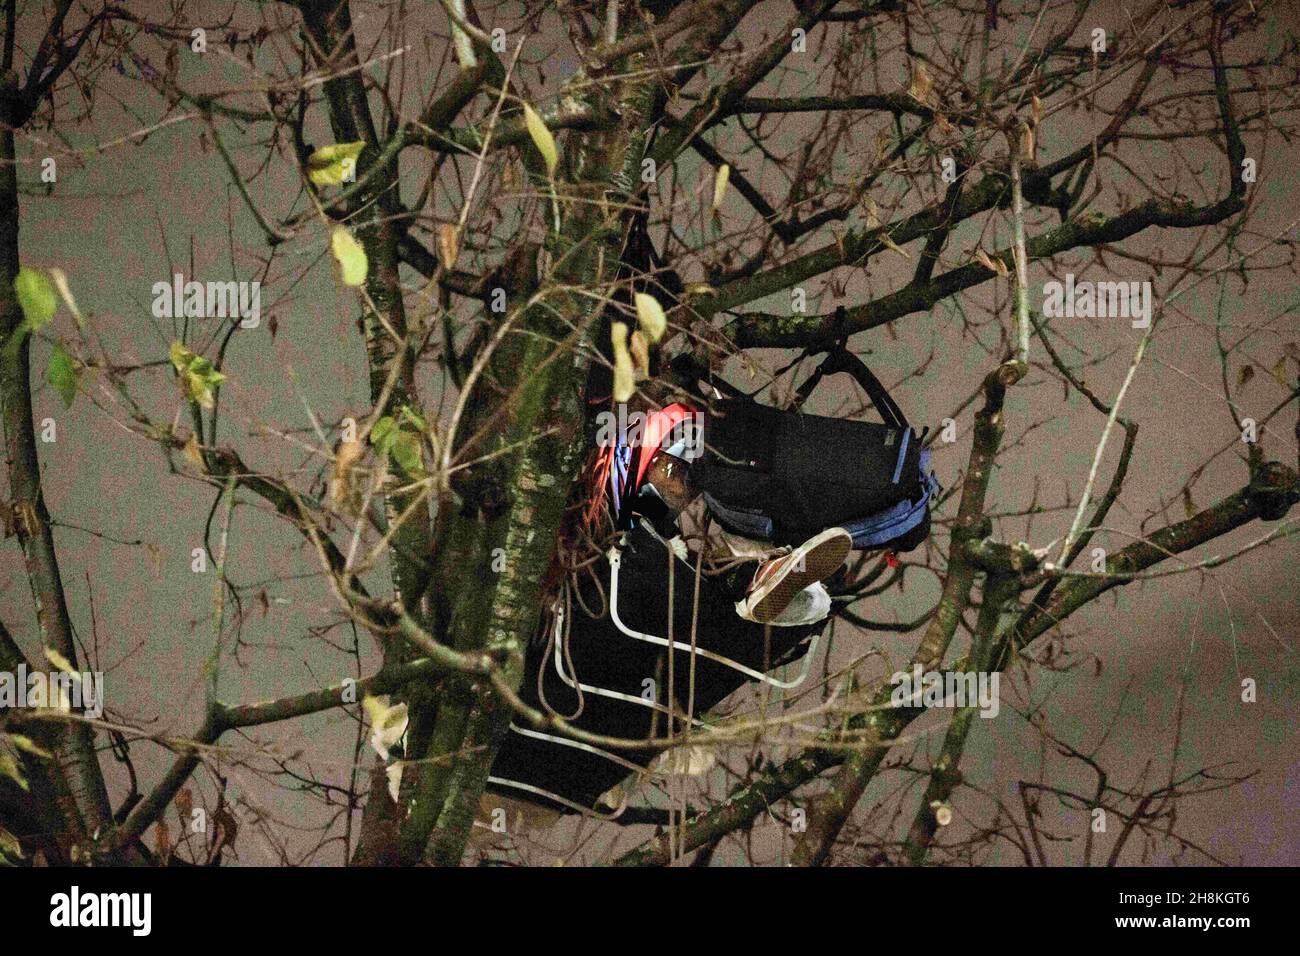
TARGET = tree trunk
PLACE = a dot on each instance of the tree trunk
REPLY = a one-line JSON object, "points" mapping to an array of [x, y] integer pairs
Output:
{"points": [[84, 807]]}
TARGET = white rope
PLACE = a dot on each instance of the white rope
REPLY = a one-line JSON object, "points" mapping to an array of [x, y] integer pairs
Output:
{"points": [[612, 694], [579, 808], [615, 560]]}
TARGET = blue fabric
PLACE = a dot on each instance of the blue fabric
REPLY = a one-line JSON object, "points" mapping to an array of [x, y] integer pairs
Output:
{"points": [[738, 522], [902, 453], [872, 531], [880, 528], [618, 474]]}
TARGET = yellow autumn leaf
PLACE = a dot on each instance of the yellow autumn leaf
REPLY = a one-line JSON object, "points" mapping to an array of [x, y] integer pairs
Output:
{"points": [[194, 454], [720, 185], [394, 775], [542, 139], [872, 212], [344, 495], [883, 140], [333, 165], [640, 350], [921, 83], [691, 761], [650, 314], [59, 661], [892, 245], [448, 245], [942, 813], [988, 262], [197, 373], [65, 293], [624, 374], [9, 770], [1028, 142], [9, 845], [162, 840], [27, 745], [179, 355], [615, 796], [350, 255], [387, 723]]}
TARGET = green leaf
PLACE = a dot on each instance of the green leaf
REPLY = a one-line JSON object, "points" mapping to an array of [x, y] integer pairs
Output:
{"points": [[382, 434], [350, 255], [406, 452], [10, 848], [542, 139], [332, 165], [391, 440], [9, 768], [410, 416], [198, 374], [62, 373], [36, 296], [26, 744]]}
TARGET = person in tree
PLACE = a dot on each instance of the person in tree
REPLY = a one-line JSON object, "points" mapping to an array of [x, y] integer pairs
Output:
{"points": [[649, 480], [786, 584], [793, 493]]}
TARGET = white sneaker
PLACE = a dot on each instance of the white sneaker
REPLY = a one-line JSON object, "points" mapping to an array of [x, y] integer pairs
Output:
{"points": [[777, 581], [809, 606]]}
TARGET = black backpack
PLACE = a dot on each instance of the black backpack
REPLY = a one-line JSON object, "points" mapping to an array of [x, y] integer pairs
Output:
{"points": [[784, 476]]}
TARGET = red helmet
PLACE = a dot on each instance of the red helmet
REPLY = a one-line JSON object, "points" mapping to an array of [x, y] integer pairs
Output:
{"points": [[622, 465]]}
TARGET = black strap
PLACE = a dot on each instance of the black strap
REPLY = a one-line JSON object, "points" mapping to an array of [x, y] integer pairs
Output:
{"points": [[842, 360], [838, 359]]}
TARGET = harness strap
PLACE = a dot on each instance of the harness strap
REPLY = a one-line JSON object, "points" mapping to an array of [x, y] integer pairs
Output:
{"points": [[842, 360]]}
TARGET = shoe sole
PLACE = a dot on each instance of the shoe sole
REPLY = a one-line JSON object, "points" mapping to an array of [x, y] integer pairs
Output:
{"points": [[820, 562]]}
